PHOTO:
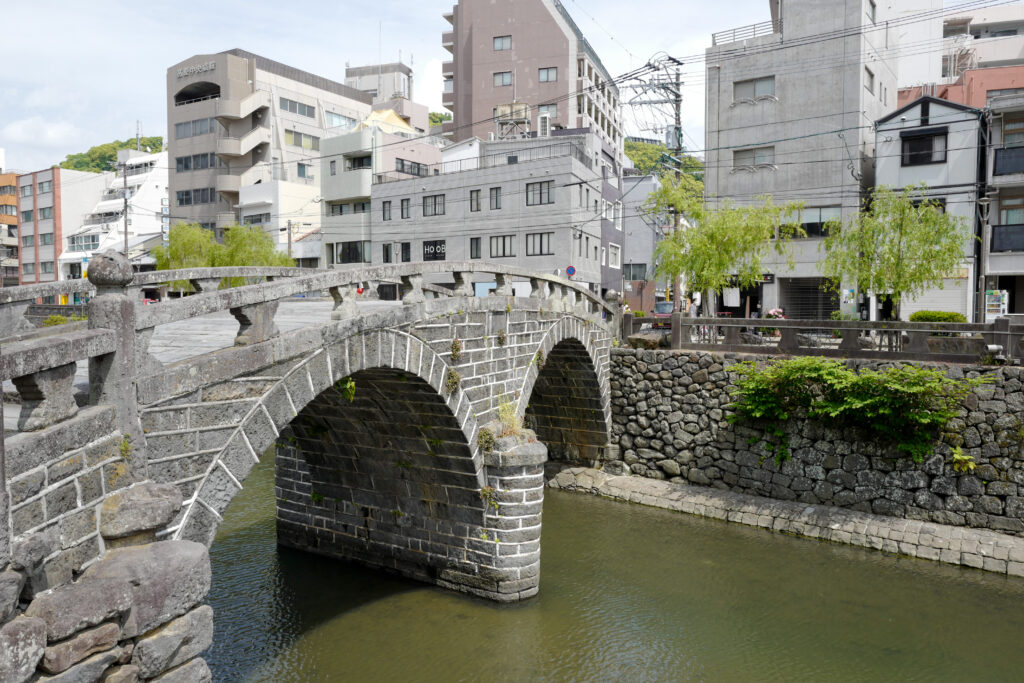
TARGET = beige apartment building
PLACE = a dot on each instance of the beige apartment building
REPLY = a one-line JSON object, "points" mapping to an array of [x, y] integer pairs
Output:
{"points": [[244, 137], [515, 62]]}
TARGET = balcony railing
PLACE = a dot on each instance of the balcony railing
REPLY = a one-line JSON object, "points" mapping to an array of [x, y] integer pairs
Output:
{"points": [[1009, 160], [765, 28], [1007, 238]]}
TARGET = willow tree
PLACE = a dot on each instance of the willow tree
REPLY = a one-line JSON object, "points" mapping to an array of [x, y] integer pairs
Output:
{"points": [[900, 244], [190, 245], [726, 245]]}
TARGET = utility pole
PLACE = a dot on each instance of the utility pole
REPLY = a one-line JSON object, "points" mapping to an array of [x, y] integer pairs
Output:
{"points": [[289, 238], [124, 175], [677, 97]]}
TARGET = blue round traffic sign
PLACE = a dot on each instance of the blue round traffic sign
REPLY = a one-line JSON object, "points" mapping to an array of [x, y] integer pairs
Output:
{"points": [[570, 271]]}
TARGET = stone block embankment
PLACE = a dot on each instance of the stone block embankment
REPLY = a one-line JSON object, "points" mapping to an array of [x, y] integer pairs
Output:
{"points": [[670, 420], [978, 548], [134, 614]]}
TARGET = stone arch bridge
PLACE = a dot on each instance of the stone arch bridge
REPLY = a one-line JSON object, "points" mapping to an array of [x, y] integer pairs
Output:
{"points": [[395, 430]]}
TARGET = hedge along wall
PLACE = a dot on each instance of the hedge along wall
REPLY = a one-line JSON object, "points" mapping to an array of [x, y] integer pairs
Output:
{"points": [[669, 417]]}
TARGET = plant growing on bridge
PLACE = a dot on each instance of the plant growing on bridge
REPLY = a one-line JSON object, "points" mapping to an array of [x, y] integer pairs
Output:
{"points": [[488, 494], [901, 405], [347, 387], [456, 350], [54, 320], [452, 381], [901, 245], [501, 338], [511, 422], [485, 440], [538, 360]]}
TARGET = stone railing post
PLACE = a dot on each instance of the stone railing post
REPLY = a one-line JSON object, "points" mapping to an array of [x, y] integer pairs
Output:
{"points": [[504, 283], [255, 323], [614, 300], [112, 377], [538, 288], [47, 397], [412, 289], [12, 318], [463, 284], [569, 299], [344, 302], [202, 285]]}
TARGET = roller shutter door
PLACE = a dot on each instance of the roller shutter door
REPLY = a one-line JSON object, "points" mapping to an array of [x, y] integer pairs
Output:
{"points": [[807, 298]]}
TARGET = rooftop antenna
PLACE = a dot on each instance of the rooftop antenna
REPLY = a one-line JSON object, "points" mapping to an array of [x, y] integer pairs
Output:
{"points": [[138, 136], [380, 56]]}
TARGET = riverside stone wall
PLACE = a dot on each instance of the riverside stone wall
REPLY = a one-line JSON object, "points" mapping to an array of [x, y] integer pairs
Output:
{"points": [[669, 418], [133, 614]]}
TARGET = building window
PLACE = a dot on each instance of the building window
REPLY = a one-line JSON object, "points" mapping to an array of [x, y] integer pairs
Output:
{"points": [[406, 252], [753, 157], [433, 250], [872, 11], [406, 208], [502, 78], [1013, 132], [184, 197], [474, 200], [334, 167], [503, 246], [340, 209], [385, 208], [1011, 211], [339, 121], [604, 256], [815, 221], [28, 240], [354, 252], [869, 80], [635, 271], [28, 268], [433, 205], [45, 212], [539, 244], [45, 238], [204, 195], [256, 219], [356, 163], [45, 186], [539, 193], [411, 167], [502, 43], [298, 108], [755, 87], [305, 171], [46, 267], [474, 247], [297, 139], [26, 190], [360, 207], [549, 110], [26, 216], [614, 256], [190, 129], [548, 75], [387, 252], [495, 193], [924, 149], [83, 242]]}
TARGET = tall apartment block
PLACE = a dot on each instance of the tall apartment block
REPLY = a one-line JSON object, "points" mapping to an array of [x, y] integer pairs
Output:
{"points": [[528, 53], [51, 204], [244, 137], [790, 107], [8, 226]]}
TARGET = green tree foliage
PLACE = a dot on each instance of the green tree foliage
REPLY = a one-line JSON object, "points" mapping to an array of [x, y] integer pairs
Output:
{"points": [[647, 157], [722, 246], [901, 245], [437, 118], [191, 246], [104, 157]]}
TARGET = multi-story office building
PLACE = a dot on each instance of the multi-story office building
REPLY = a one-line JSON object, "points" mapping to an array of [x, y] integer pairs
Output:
{"points": [[517, 61], [382, 147], [641, 233], [51, 204], [939, 144], [8, 225], [390, 85], [790, 107], [142, 178], [244, 137], [534, 202], [1003, 226]]}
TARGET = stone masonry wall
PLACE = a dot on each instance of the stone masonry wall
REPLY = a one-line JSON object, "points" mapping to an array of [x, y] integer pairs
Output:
{"points": [[669, 411]]}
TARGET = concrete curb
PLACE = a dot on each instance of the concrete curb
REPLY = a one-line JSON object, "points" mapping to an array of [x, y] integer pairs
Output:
{"points": [[977, 548]]}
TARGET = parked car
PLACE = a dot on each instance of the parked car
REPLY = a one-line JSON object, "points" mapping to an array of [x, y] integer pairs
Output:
{"points": [[662, 315]]}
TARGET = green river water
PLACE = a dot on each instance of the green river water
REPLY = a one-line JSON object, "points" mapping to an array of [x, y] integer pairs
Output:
{"points": [[627, 594]]}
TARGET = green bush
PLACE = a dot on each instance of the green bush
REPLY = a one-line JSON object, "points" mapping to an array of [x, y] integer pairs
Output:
{"points": [[54, 320], [937, 317], [902, 405], [638, 314]]}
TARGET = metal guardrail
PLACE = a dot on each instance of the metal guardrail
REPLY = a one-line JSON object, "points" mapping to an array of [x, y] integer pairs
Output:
{"points": [[941, 342], [763, 28]]}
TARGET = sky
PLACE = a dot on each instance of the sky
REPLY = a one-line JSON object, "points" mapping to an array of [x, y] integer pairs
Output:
{"points": [[87, 72]]}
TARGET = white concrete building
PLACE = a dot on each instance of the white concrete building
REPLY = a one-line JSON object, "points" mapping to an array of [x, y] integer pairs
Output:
{"points": [[982, 37], [938, 143], [1003, 237], [149, 214], [790, 115]]}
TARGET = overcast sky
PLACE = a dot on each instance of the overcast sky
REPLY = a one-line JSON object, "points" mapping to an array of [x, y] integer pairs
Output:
{"points": [[86, 72]]}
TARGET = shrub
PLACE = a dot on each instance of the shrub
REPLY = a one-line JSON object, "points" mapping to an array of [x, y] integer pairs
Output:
{"points": [[485, 439], [903, 405], [456, 350], [452, 381], [54, 320], [937, 317], [638, 314], [511, 423]]}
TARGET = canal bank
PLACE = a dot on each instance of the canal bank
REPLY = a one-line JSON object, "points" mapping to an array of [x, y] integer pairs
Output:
{"points": [[976, 548]]}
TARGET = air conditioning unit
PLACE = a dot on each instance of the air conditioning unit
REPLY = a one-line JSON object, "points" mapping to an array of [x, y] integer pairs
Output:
{"points": [[544, 126], [490, 136]]}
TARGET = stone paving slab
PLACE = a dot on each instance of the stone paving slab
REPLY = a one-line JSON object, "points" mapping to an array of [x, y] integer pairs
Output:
{"points": [[977, 548]]}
